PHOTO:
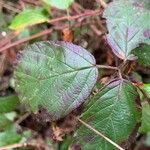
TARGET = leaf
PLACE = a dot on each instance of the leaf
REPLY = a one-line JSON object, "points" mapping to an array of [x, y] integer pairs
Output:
{"points": [[145, 127], [6, 119], [29, 17], [146, 89], [59, 3], [55, 77], [9, 136], [128, 26], [143, 54], [113, 112], [8, 103]]}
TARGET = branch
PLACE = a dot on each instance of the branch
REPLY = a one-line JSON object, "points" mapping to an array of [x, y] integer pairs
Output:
{"points": [[86, 14], [100, 134], [48, 31], [19, 145], [107, 67], [103, 3], [9, 7]]}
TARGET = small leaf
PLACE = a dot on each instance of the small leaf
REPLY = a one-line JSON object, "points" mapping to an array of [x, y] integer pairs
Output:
{"points": [[9, 136], [146, 89], [128, 26], [143, 53], [6, 119], [29, 17], [113, 112], [59, 3], [145, 127], [55, 77], [8, 103]]}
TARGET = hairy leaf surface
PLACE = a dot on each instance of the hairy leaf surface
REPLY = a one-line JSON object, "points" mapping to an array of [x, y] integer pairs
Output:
{"points": [[55, 76], [143, 54], [113, 112], [128, 25]]}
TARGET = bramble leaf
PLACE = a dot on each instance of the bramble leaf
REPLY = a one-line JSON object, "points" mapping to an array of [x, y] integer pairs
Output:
{"points": [[55, 76], [143, 54], [113, 112], [128, 26], [29, 17], [59, 3]]}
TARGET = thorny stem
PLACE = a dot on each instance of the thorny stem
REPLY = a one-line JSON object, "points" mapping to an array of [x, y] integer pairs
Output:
{"points": [[100, 134]]}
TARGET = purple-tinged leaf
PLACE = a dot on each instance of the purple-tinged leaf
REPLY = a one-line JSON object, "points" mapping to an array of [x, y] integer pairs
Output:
{"points": [[128, 26], [55, 77], [112, 112]]}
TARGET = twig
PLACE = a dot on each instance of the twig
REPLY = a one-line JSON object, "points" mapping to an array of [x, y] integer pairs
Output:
{"points": [[100, 134], [48, 31], [95, 30], [107, 67], [9, 7], [19, 145], [22, 118], [103, 3], [86, 14], [12, 146]]}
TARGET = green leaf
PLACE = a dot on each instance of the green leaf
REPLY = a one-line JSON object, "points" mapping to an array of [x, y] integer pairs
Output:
{"points": [[55, 77], [9, 136], [29, 17], [143, 54], [147, 141], [146, 89], [59, 3], [128, 26], [8, 103], [145, 127], [6, 119], [113, 112]]}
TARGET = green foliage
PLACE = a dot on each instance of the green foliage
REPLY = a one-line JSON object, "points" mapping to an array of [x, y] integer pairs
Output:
{"points": [[113, 112], [56, 77], [145, 127], [143, 54], [6, 119], [128, 26], [9, 136], [29, 17], [59, 3], [146, 89], [8, 103]]}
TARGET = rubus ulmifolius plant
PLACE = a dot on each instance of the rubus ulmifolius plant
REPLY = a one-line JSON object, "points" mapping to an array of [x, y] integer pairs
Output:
{"points": [[58, 77]]}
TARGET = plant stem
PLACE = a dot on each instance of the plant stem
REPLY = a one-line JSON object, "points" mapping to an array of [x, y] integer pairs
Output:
{"points": [[107, 67], [86, 14], [103, 3], [48, 31], [100, 134]]}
